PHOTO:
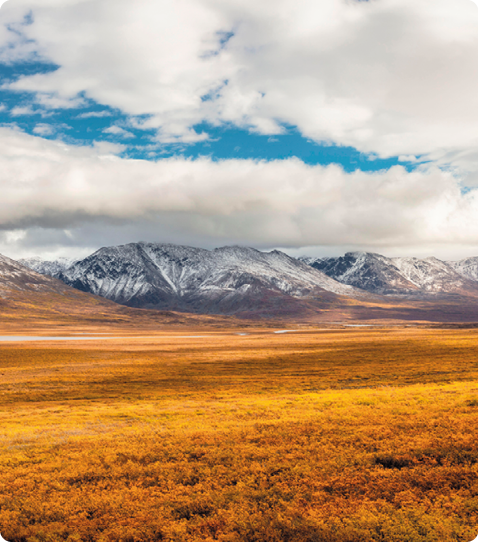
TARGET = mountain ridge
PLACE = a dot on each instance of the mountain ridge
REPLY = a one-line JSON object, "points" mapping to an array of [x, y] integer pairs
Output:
{"points": [[225, 280], [248, 283], [52, 268], [413, 277]]}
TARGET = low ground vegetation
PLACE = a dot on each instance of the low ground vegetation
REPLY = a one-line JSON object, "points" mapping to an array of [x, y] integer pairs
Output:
{"points": [[318, 436]]}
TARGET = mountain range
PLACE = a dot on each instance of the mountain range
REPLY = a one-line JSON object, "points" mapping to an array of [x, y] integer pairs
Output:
{"points": [[245, 282], [227, 280], [401, 276]]}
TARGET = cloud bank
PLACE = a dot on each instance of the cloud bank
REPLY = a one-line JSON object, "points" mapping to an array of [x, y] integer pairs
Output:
{"points": [[79, 192], [387, 77]]}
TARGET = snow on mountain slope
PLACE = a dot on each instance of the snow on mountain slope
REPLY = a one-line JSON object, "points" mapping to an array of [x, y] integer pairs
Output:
{"points": [[368, 271], [52, 268], [176, 277], [405, 276], [434, 276], [233, 280], [15, 277], [222, 267], [467, 268]]}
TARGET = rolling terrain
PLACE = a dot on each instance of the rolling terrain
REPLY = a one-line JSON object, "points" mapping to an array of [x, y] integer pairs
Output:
{"points": [[188, 427]]}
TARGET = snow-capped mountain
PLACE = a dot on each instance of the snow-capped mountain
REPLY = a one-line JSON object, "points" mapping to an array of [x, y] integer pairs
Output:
{"points": [[52, 268], [245, 281], [396, 276], [225, 280], [435, 276], [371, 272], [467, 268]]}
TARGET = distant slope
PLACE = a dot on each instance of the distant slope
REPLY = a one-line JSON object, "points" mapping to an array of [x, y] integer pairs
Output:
{"points": [[467, 268], [434, 276], [52, 268], [229, 280], [368, 271], [15, 277], [27, 295], [412, 277]]}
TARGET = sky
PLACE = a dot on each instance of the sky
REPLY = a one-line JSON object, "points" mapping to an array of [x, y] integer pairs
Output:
{"points": [[313, 126]]}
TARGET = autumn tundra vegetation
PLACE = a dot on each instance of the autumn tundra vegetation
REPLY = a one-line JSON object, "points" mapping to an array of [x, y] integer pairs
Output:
{"points": [[326, 434]]}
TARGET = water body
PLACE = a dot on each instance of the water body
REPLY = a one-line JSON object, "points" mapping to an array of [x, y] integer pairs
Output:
{"points": [[27, 338], [22, 338], [30, 338], [362, 325]]}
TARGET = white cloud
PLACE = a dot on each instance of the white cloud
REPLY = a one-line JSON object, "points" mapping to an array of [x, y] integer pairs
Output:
{"points": [[314, 65], [27, 111], [94, 114], [44, 129], [106, 148], [53, 101], [19, 111], [118, 131], [101, 198]]}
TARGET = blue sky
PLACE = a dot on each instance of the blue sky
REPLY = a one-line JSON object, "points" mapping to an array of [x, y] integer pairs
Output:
{"points": [[314, 127], [90, 123]]}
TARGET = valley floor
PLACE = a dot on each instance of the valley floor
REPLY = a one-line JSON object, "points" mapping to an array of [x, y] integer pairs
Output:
{"points": [[321, 435]]}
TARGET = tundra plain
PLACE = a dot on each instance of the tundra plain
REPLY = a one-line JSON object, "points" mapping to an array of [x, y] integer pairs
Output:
{"points": [[329, 434]]}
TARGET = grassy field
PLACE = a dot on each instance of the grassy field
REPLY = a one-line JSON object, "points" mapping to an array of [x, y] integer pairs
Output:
{"points": [[332, 435]]}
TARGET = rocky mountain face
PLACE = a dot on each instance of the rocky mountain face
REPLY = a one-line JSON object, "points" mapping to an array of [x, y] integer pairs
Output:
{"points": [[371, 272], [467, 268], [52, 268], [412, 277], [435, 276], [227, 280]]}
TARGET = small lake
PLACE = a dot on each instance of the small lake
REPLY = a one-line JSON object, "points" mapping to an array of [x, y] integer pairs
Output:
{"points": [[22, 338], [29, 338]]}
